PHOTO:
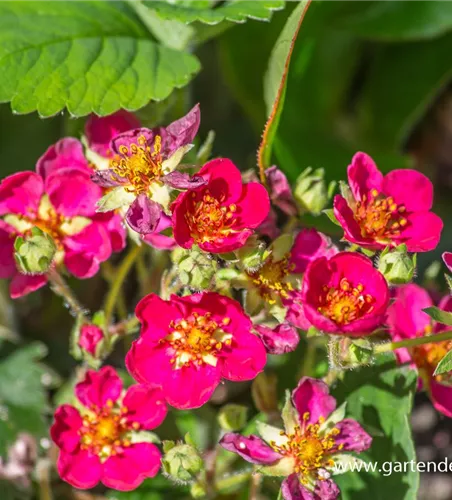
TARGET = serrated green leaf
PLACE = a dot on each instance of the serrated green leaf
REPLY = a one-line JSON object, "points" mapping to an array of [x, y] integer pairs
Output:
{"points": [[380, 398], [329, 212], [85, 56], [439, 315], [237, 11], [445, 365]]}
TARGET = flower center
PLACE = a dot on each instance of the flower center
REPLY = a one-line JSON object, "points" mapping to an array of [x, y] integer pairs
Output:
{"points": [[271, 279], [139, 164], [379, 217], [197, 339], [346, 303], [208, 219], [104, 432], [310, 447]]}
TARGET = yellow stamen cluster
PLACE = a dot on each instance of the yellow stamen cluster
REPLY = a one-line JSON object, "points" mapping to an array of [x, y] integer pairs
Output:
{"points": [[271, 279], [197, 339], [345, 303], [427, 357], [104, 431], [379, 217], [139, 164], [208, 219], [309, 447]]}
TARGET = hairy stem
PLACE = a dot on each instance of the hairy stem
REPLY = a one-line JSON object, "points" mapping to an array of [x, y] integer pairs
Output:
{"points": [[121, 273], [60, 287], [430, 339]]}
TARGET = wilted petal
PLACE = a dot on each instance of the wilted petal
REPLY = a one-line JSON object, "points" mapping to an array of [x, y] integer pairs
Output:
{"points": [[280, 191], [252, 448], [180, 180], [352, 436], [107, 178], [280, 340], [144, 215], [182, 131]]}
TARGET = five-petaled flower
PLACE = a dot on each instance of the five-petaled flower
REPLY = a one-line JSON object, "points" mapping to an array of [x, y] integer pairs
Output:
{"points": [[188, 344], [60, 199], [105, 441], [388, 210], [311, 447], [406, 320], [344, 294], [222, 214], [142, 171]]}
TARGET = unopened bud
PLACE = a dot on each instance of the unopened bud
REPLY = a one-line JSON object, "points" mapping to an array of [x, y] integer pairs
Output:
{"points": [[345, 353], [34, 252], [397, 266], [232, 417], [264, 392], [311, 192], [90, 338], [253, 254], [182, 463]]}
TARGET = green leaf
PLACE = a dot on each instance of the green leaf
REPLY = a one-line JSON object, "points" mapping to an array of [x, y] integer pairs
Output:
{"points": [[275, 80], [393, 20], [86, 56], [439, 315], [380, 398], [445, 365], [22, 396], [237, 11]]}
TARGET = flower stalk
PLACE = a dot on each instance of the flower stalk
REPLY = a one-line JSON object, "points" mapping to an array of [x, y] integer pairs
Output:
{"points": [[62, 289], [429, 339]]}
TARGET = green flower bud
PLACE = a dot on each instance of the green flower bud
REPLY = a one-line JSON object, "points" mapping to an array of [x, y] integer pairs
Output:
{"points": [[34, 253], [253, 254], [232, 417], [182, 463], [397, 266], [196, 269], [346, 353], [311, 192], [264, 393]]}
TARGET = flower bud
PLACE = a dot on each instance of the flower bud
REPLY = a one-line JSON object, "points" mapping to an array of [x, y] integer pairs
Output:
{"points": [[397, 266], [34, 252], [196, 268], [89, 339], [264, 392], [311, 191], [182, 463], [253, 254], [346, 353], [232, 417]]}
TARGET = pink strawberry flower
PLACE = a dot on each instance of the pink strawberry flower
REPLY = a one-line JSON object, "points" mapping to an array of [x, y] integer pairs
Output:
{"points": [[142, 171], [310, 447], [188, 344], [100, 440], [222, 214], [344, 294], [61, 201], [407, 320], [276, 284], [89, 338], [100, 130], [388, 210]]}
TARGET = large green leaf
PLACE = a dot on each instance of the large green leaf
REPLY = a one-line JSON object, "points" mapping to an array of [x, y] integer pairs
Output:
{"points": [[380, 397], [22, 394], [207, 12], [393, 20], [86, 56]]}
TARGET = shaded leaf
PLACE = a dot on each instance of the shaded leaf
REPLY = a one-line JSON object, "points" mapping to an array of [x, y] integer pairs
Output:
{"points": [[439, 315]]}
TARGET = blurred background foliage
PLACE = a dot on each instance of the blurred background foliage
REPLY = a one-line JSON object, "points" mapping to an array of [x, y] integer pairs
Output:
{"points": [[373, 76]]}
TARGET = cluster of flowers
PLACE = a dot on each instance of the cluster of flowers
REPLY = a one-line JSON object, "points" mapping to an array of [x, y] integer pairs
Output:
{"points": [[125, 182]]}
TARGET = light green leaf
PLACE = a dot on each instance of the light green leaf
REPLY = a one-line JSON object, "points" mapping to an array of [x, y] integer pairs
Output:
{"points": [[380, 398], [439, 315], [237, 11], [329, 212], [85, 56], [445, 365], [289, 415]]}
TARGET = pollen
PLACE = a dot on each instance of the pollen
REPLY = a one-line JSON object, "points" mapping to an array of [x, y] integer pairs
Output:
{"points": [[197, 340], [271, 279], [345, 303], [208, 218], [139, 164], [379, 217]]}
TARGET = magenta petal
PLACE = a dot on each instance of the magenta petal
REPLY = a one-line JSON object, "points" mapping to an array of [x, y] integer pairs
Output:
{"points": [[155, 315], [148, 363], [72, 192], [182, 180], [280, 340], [181, 230], [82, 470], [229, 243], [182, 131], [326, 490], [423, 232], [131, 137], [23, 284], [295, 311], [64, 430], [67, 152], [447, 258], [309, 244], [409, 188], [352, 436], [441, 396], [99, 387], [21, 193], [107, 178], [145, 405], [127, 470], [252, 448], [352, 231], [158, 239], [280, 191], [312, 396], [143, 215], [224, 178], [292, 489], [253, 206], [363, 176], [7, 263], [246, 359]]}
